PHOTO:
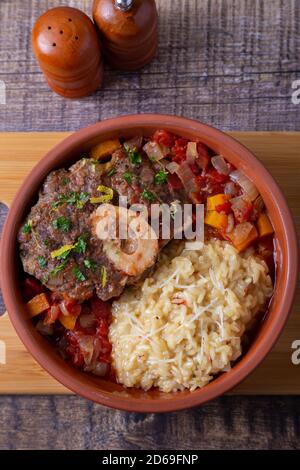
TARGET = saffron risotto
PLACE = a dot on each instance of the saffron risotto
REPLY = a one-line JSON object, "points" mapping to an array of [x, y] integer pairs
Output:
{"points": [[185, 323]]}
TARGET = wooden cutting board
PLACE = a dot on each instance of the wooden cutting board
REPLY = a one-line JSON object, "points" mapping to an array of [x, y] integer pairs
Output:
{"points": [[280, 152]]}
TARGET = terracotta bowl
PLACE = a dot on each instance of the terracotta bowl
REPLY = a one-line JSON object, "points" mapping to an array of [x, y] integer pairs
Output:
{"points": [[107, 393]]}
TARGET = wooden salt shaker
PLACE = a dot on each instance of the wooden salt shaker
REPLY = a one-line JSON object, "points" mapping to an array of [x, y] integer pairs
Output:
{"points": [[67, 47], [128, 31]]}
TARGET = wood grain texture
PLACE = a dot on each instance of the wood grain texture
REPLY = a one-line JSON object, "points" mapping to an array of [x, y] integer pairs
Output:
{"points": [[277, 375], [74, 423], [227, 62], [230, 63]]}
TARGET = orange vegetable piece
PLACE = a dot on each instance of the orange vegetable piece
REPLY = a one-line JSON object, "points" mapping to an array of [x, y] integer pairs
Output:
{"points": [[104, 149], [37, 305], [264, 225], [217, 200], [69, 321], [242, 245], [216, 220]]}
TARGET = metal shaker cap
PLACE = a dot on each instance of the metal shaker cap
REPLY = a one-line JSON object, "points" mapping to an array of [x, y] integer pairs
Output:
{"points": [[124, 5]]}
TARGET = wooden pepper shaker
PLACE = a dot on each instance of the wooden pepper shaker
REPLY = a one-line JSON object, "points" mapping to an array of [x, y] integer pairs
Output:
{"points": [[128, 31], [66, 45]]}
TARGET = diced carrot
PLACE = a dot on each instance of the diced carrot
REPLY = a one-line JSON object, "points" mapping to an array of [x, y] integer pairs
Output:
{"points": [[69, 321], [217, 200], [264, 225], [37, 305], [104, 149], [241, 245], [215, 219]]}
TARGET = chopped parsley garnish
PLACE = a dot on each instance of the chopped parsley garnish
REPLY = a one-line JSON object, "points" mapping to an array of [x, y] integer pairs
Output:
{"points": [[128, 177], [90, 264], [161, 177], [59, 268], [65, 181], [111, 172], [134, 156], [74, 198], [62, 199], [46, 242], [81, 244], [64, 251], [42, 262], [27, 227], [148, 195], [78, 274], [62, 223], [79, 199]]}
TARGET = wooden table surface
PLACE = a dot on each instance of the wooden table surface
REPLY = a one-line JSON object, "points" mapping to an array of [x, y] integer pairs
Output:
{"points": [[230, 63]]}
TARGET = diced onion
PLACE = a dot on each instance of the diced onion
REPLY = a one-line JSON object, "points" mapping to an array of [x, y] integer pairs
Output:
{"points": [[241, 232], [230, 223], [155, 151], [64, 309], [237, 202], [45, 330], [220, 165], [100, 369], [259, 204], [87, 320], [191, 152], [86, 344], [240, 178], [164, 162], [172, 167], [241, 206], [230, 188], [134, 144], [187, 177]]}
